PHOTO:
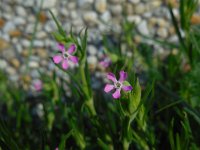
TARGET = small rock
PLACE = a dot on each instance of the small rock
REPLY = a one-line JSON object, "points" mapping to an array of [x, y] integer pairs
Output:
{"points": [[21, 11], [9, 26], [41, 35], [47, 4], [92, 60], [135, 19], [42, 17], [15, 62], [101, 5], [3, 44], [2, 22], [195, 20], [42, 53], [38, 43], [143, 28], [19, 21], [15, 33], [116, 9], [11, 70], [33, 64], [29, 3], [92, 50], [162, 32], [140, 8], [90, 18], [134, 1], [25, 42], [106, 16], [3, 64]]}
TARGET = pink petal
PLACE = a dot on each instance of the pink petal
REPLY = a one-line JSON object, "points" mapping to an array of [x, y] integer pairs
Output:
{"points": [[74, 59], [65, 64], [61, 47], [57, 59], [104, 64], [112, 77], [108, 88], [123, 76], [71, 49], [117, 94], [127, 88]]}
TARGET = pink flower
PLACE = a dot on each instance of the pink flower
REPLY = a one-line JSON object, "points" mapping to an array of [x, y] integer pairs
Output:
{"points": [[65, 56], [37, 85], [105, 62], [117, 84], [56, 148]]}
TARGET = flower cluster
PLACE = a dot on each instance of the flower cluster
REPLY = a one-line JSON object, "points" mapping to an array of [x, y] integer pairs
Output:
{"points": [[67, 55]]}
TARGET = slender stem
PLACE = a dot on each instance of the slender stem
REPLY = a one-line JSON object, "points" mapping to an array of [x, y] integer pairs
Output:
{"points": [[89, 101], [125, 144]]}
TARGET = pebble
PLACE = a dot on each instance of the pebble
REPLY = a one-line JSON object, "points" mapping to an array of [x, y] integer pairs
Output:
{"points": [[19, 21], [90, 18], [15, 33], [116, 9], [47, 4], [92, 60], [106, 16], [162, 32], [3, 44], [9, 26], [101, 5], [33, 64], [15, 62], [143, 28], [21, 11], [92, 50], [3, 64], [134, 1], [135, 19], [2, 22]]}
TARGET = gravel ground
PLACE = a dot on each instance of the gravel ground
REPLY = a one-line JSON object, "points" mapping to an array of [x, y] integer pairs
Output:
{"points": [[17, 21]]}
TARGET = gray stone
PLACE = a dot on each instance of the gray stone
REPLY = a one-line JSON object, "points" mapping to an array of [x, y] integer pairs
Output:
{"points": [[21, 11], [3, 64], [135, 19], [140, 8], [92, 50], [143, 28], [101, 5], [90, 18], [19, 21], [25, 42], [33, 64], [9, 26], [47, 4], [92, 60], [116, 9], [38, 43], [106, 17], [162, 32], [134, 1]]}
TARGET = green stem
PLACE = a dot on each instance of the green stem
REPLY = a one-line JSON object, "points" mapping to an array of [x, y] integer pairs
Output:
{"points": [[125, 144], [89, 99]]}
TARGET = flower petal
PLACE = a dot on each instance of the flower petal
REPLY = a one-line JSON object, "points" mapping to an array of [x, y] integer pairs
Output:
{"points": [[61, 47], [104, 63], [123, 76], [57, 59], [65, 64], [108, 88], [127, 88], [117, 94], [74, 59], [71, 49], [112, 77]]}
